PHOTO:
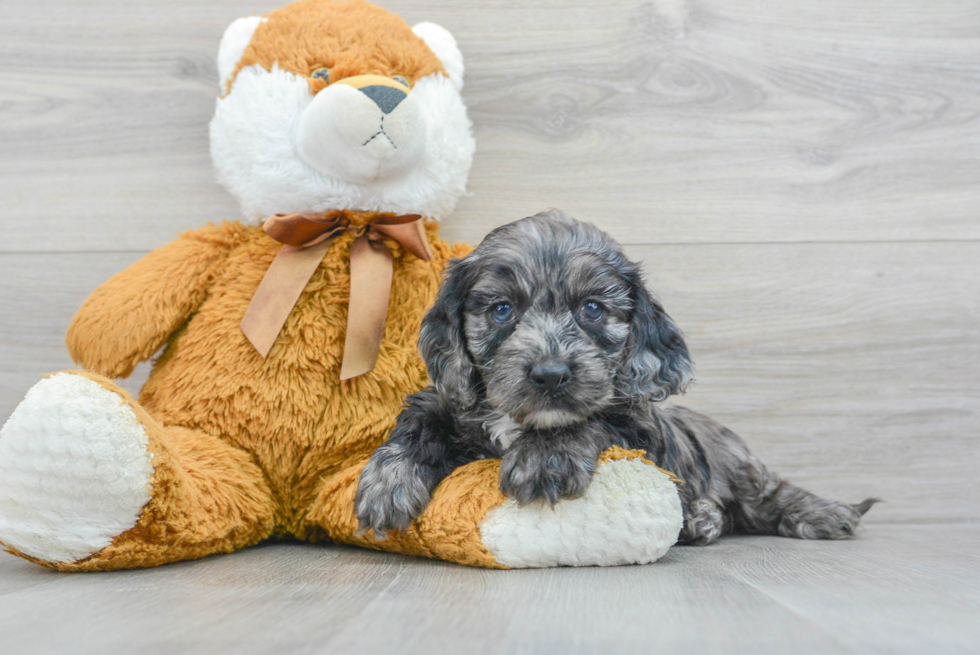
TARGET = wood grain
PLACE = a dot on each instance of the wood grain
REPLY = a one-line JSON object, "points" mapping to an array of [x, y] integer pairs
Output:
{"points": [[895, 589], [669, 121]]}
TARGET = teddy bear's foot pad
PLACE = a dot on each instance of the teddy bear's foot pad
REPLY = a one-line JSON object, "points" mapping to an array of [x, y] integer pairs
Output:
{"points": [[630, 514], [75, 471]]}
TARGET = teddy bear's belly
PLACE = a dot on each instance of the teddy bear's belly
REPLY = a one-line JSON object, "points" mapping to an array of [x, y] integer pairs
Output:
{"points": [[290, 411]]}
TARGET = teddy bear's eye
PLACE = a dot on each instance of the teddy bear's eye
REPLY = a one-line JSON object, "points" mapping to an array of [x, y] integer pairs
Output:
{"points": [[401, 79], [321, 74]]}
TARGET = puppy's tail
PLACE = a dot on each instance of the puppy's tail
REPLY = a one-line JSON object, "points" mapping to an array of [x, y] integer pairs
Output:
{"points": [[866, 504]]}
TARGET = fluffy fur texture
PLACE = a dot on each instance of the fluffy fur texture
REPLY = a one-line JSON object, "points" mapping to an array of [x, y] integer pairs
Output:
{"points": [[245, 448], [233, 44], [62, 508], [350, 37], [630, 514], [262, 142], [545, 348]]}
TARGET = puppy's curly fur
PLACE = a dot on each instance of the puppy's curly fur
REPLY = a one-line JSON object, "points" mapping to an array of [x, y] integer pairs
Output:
{"points": [[544, 348]]}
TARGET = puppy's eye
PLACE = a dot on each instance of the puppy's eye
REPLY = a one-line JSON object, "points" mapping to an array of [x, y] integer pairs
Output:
{"points": [[321, 74], [592, 311], [501, 312], [401, 79]]}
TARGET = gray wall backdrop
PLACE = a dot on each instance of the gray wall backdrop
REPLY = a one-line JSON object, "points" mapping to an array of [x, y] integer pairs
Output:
{"points": [[801, 179]]}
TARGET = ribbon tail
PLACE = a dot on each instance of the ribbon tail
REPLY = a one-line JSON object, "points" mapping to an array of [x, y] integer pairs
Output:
{"points": [[278, 292], [370, 289], [411, 236]]}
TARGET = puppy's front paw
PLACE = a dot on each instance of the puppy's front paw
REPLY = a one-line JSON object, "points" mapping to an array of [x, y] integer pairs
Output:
{"points": [[527, 475], [389, 493]]}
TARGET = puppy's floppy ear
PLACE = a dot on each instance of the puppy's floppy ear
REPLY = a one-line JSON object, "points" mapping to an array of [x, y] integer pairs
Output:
{"points": [[658, 363], [442, 341]]}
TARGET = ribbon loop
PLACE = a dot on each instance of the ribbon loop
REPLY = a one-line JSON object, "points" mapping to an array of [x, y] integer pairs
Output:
{"points": [[306, 240]]}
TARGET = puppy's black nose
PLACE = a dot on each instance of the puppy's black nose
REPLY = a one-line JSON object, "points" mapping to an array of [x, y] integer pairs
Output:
{"points": [[385, 97], [550, 375]]}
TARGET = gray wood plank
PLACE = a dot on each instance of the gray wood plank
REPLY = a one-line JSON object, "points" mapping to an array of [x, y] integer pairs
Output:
{"points": [[893, 589], [826, 587], [667, 121], [38, 297], [852, 369]]}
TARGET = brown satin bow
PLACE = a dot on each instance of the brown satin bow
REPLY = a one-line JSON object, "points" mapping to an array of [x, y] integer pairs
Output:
{"points": [[306, 239]]}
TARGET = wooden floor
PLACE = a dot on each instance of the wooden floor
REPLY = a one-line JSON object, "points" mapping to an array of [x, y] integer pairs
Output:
{"points": [[801, 180], [896, 589]]}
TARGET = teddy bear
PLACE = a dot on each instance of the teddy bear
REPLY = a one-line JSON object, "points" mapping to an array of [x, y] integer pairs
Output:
{"points": [[286, 342]]}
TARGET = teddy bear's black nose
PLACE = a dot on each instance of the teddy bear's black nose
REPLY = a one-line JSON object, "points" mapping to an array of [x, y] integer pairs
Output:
{"points": [[551, 375], [385, 97]]}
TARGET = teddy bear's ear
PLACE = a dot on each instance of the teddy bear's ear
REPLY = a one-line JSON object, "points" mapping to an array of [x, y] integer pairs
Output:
{"points": [[233, 44], [442, 43]]}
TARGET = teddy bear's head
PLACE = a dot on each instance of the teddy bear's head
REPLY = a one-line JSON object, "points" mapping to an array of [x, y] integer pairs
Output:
{"points": [[332, 104]]}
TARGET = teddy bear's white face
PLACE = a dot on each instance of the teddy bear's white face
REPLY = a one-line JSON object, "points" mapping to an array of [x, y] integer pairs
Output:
{"points": [[365, 141]]}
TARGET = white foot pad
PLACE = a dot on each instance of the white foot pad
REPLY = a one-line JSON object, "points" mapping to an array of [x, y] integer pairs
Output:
{"points": [[74, 470], [630, 514]]}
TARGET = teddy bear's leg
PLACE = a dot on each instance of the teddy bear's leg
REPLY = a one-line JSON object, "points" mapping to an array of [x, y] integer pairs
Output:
{"points": [[90, 481], [630, 514]]}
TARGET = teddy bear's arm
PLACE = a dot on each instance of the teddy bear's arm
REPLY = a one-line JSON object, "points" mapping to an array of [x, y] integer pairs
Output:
{"points": [[129, 317], [631, 513]]}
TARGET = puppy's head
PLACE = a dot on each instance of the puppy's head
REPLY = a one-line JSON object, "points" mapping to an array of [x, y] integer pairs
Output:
{"points": [[549, 322]]}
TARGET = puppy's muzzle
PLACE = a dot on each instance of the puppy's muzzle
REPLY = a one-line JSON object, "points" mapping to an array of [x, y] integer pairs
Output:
{"points": [[551, 375]]}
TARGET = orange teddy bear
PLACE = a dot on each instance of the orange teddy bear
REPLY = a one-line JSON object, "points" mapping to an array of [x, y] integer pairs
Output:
{"points": [[280, 372]]}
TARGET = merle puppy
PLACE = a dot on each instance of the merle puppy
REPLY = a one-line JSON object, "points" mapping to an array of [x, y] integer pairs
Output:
{"points": [[545, 348]]}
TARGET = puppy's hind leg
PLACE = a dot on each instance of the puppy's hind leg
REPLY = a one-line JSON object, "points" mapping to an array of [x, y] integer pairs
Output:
{"points": [[766, 504]]}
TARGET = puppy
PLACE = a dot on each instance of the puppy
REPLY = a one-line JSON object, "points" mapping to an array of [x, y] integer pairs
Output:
{"points": [[544, 348]]}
